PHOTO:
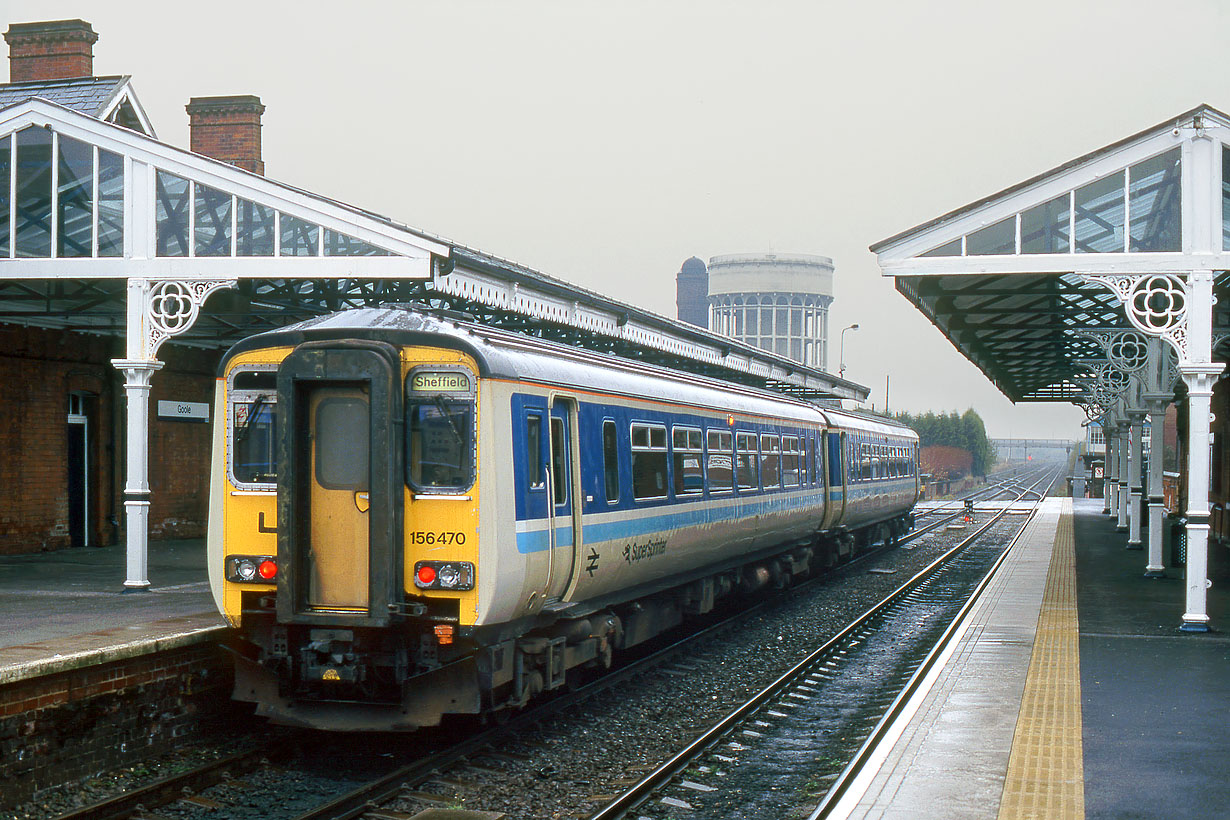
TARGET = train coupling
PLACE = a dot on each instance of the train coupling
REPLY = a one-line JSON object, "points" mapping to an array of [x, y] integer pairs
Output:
{"points": [[328, 656]]}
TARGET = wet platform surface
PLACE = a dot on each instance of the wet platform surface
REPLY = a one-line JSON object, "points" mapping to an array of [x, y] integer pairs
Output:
{"points": [[1071, 693], [69, 607]]}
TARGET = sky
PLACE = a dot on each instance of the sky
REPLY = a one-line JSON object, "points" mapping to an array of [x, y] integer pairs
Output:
{"points": [[606, 142]]}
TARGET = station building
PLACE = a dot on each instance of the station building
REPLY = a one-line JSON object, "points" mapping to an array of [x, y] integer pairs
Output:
{"points": [[128, 265]]}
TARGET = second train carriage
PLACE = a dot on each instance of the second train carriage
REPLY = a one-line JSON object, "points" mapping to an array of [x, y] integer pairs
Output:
{"points": [[414, 515]]}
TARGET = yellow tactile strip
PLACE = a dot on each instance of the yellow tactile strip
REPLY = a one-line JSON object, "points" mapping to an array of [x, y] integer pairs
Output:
{"points": [[1045, 769]]}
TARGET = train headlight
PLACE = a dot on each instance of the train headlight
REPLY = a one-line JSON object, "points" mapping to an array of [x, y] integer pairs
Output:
{"points": [[450, 575], [251, 569]]}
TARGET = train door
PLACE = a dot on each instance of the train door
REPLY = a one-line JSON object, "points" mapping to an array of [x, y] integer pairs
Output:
{"points": [[563, 498], [339, 420], [835, 446]]}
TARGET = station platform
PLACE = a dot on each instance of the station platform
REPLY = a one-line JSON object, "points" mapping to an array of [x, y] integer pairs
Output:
{"points": [[1069, 692], [67, 609]]}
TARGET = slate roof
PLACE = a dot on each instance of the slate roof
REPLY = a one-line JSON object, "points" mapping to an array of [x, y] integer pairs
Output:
{"points": [[89, 95]]}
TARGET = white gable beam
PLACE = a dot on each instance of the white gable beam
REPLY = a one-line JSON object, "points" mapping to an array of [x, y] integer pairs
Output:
{"points": [[237, 267]]}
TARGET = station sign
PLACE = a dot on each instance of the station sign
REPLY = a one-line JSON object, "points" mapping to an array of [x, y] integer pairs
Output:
{"points": [[197, 411]]}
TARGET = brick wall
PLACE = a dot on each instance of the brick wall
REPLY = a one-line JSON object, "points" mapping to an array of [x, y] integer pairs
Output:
{"points": [[66, 726], [41, 368], [179, 451]]}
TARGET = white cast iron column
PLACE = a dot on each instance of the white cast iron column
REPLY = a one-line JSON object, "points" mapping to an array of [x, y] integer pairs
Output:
{"points": [[137, 375], [1199, 373], [1156, 568], [155, 312], [1112, 455], [1136, 457]]}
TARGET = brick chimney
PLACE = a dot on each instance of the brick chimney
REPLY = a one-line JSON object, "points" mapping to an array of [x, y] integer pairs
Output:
{"points": [[54, 50], [228, 128]]}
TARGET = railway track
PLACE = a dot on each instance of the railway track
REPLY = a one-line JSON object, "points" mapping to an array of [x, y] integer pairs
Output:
{"points": [[190, 796], [800, 728]]}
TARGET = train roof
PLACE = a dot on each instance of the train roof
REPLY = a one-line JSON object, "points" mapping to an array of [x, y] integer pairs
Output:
{"points": [[502, 354], [866, 422]]}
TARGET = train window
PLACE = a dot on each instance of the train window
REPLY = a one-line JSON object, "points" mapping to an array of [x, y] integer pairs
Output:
{"points": [[770, 461], [790, 462], [866, 465], [559, 462], [610, 460], [265, 381], [534, 474], [720, 471], [254, 454], [440, 434], [686, 461], [809, 461], [341, 435], [746, 457], [649, 458], [253, 425]]}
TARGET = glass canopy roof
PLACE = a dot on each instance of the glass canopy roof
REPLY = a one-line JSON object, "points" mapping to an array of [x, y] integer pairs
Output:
{"points": [[67, 202]]}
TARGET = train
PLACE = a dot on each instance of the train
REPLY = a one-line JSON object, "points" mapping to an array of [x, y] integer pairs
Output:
{"points": [[414, 515]]}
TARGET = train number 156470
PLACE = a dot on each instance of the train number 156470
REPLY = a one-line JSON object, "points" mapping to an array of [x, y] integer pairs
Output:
{"points": [[418, 537]]}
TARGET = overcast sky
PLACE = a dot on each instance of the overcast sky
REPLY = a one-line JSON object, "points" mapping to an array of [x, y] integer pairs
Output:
{"points": [[606, 142]]}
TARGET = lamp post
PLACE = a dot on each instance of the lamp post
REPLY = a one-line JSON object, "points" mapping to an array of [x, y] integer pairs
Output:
{"points": [[841, 358]]}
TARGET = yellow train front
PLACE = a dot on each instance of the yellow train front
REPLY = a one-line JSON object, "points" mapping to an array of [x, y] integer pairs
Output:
{"points": [[325, 444], [413, 515]]}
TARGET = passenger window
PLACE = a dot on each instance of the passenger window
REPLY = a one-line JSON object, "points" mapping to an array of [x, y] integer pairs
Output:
{"points": [[745, 461], [610, 460], [648, 461], [720, 472], [533, 443], [790, 462], [559, 462], [770, 461], [686, 454]]}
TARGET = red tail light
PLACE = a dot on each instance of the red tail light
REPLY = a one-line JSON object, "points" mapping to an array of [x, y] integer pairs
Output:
{"points": [[426, 575], [268, 570]]}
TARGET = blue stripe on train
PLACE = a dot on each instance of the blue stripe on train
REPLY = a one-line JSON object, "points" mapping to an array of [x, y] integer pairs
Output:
{"points": [[538, 540]]}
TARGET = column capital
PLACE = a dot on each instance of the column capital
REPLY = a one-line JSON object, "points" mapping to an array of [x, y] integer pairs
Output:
{"points": [[137, 372], [1199, 377]]}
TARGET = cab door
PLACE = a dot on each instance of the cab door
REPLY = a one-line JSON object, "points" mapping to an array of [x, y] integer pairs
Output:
{"points": [[340, 484], [339, 544]]}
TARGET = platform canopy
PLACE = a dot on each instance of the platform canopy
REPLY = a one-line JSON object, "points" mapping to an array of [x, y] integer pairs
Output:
{"points": [[1102, 282], [1004, 278], [88, 206]]}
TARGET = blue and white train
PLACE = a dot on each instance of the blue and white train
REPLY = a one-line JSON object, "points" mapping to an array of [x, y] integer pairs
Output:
{"points": [[414, 515]]}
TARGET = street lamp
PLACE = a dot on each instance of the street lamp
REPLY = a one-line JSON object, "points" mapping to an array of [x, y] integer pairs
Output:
{"points": [[841, 358]]}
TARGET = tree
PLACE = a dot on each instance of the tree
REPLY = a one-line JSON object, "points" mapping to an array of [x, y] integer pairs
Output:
{"points": [[965, 431]]}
